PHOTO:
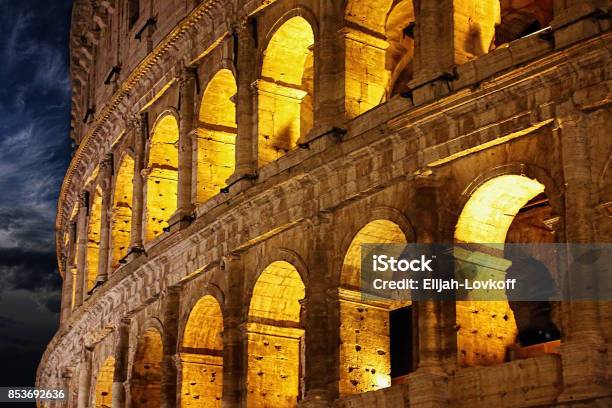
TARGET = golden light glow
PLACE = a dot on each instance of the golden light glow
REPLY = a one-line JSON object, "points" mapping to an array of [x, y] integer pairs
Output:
{"points": [[121, 218], [201, 356], [378, 53], [487, 329], [103, 397], [93, 237], [364, 331], [275, 337], [285, 89], [216, 136], [474, 28], [162, 176], [146, 371], [490, 210]]}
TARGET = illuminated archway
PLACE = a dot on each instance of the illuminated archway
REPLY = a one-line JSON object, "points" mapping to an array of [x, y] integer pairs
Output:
{"points": [[378, 52], [520, 18], [145, 384], [121, 221], [487, 328], [93, 237], [162, 176], [104, 384], [365, 329], [201, 356], [286, 89], [275, 338], [216, 135]]}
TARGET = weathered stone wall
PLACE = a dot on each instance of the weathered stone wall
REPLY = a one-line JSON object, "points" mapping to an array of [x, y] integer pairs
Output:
{"points": [[537, 107]]}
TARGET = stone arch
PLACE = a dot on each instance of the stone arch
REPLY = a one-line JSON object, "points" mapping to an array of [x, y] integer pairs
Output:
{"points": [[216, 134], [486, 218], [286, 86], [520, 18], [202, 355], [275, 337], [103, 397], [121, 216], [161, 174], [145, 382], [93, 236], [379, 50], [365, 332]]}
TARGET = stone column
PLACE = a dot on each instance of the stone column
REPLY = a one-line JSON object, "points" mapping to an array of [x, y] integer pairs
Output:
{"points": [[234, 338], [121, 364], [67, 286], [435, 318], [583, 348], [81, 254], [315, 321], [187, 91], [246, 137], [138, 126], [84, 380], [170, 316], [104, 181]]}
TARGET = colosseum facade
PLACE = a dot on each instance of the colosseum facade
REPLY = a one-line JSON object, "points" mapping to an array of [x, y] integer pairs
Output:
{"points": [[232, 155]]}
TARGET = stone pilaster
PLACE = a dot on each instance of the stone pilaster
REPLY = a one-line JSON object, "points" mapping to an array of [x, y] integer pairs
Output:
{"points": [[83, 400], [170, 317], [246, 104], [316, 323], [104, 181], [234, 339], [583, 349], [435, 318], [187, 92], [81, 254], [67, 286], [138, 127], [121, 365]]}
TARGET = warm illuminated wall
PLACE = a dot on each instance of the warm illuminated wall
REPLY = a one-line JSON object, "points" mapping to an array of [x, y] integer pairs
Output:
{"points": [[121, 222], [93, 237], [104, 384], [378, 54], [487, 329], [146, 371], [285, 90], [162, 176], [201, 356], [365, 359], [216, 135], [474, 27], [275, 338]]}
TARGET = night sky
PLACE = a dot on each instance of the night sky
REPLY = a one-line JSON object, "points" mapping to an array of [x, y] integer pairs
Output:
{"points": [[34, 154]]}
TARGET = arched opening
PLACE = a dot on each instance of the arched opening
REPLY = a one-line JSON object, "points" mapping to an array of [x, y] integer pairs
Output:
{"points": [[520, 18], [285, 90], [162, 176], [145, 384], [216, 135], [379, 47], [103, 397], [121, 217], [93, 237], [369, 345], [201, 356], [275, 338], [503, 210]]}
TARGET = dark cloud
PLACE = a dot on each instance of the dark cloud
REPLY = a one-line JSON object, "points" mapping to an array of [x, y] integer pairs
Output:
{"points": [[34, 153]]}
